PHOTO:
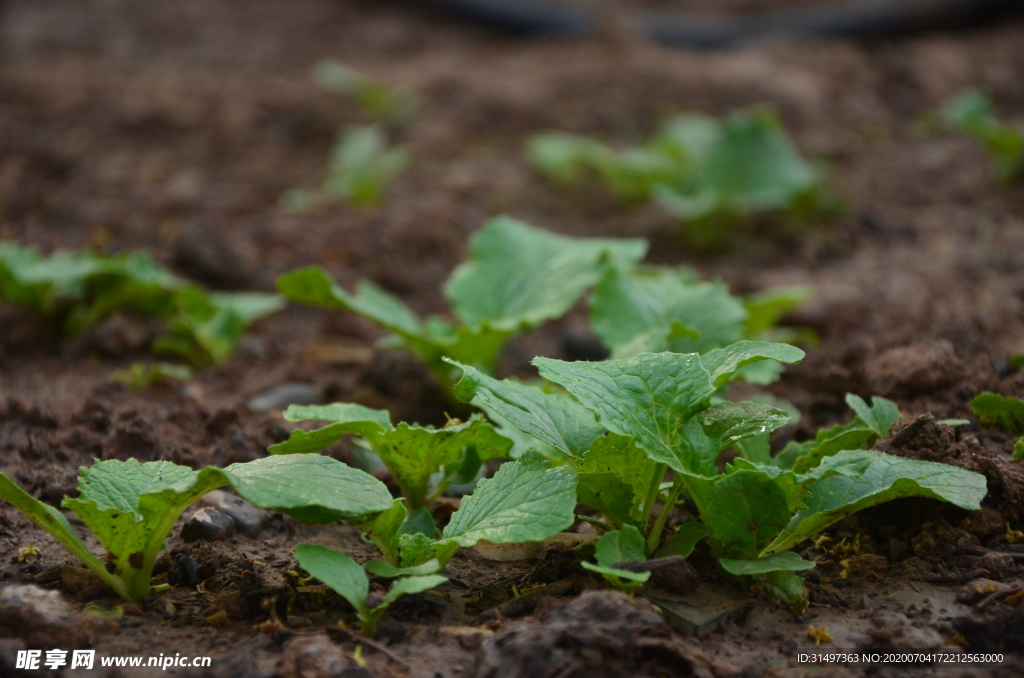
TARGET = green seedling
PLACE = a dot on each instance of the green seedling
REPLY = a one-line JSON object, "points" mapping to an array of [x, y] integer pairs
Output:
{"points": [[517, 277], [424, 461], [1006, 412], [140, 375], [347, 578], [78, 289], [132, 507], [626, 423], [710, 174], [364, 161], [970, 113]]}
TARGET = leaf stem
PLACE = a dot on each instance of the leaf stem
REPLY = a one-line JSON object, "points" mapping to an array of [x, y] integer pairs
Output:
{"points": [[652, 492], [659, 525]]}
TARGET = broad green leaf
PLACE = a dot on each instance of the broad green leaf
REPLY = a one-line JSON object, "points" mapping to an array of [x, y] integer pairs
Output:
{"points": [[731, 422], [722, 363], [526, 500], [684, 541], [57, 526], [882, 478], [995, 410], [337, 571], [410, 585], [755, 449], [311, 488], [363, 164], [787, 560], [519, 276], [546, 415], [879, 417], [802, 457], [747, 510], [624, 580], [346, 418], [657, 309], [415, 549], [650, 397], [558, 156], [313, 286], [620, 546], [413, 454], [382, 568], [614, 477]]}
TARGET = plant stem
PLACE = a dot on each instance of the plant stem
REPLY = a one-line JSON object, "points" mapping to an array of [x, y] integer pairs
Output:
{"points": [[435, 495], [652, 492], [659, 525]]}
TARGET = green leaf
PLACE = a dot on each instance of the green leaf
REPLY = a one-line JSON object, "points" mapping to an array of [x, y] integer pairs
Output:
{"points": [[385, 531], [416, 549], [865, 478], [57, 526], [413, 454], [382, 568], [311, 488], [785, 561], [747, 510], [620, 546], [410, 585], [684, 541], [526, 500], [765, 308], [650, 397], [879, 417], [784, 585], [755, 449], [337, 571], [995, 410], [346, 418], [614, 477], [519, 276], [624, 580], [731, 422], [363, 164], [548, 416], [722, 363], [658, 309]]}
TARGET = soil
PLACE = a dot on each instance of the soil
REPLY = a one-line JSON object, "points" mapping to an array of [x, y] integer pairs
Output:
{"points": [[177, 126]]}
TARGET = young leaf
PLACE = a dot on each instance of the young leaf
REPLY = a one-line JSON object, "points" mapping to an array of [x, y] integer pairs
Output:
{"points": [[649, 397], [879, 417], [747, 510], [345, 418], [878, 478], [617, 548], [784, 585], [765, 308], [381, 568], [337, 571], [995, 410], [519, 276], [526, 500], [657, 309], [722, 363], [785, 561], [548, 416], [730, 422]]}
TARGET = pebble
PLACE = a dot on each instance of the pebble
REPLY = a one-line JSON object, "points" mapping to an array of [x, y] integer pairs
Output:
{"points": [[37, 617], [282, 395], [249, 520], [208, 525], [312, 657]]}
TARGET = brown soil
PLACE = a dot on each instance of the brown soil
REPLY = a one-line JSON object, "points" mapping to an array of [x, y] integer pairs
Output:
{"points": [[176, 127]]}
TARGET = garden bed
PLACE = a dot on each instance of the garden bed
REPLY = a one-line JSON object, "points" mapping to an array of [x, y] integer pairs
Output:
{"points": [[177, 126]]}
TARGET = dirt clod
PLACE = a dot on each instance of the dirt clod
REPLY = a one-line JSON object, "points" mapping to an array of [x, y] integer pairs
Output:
{"points": [[677, 577], [312, 657], [913, 369], [600, 634], [998, 566], [37, 617]]}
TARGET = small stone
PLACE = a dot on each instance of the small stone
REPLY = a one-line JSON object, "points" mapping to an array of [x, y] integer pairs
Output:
{"points": [[678, 577], [281, 396], [999, 566], [37, 617], [208, 525], [249, 520], [312, 657], [865, 602]]}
